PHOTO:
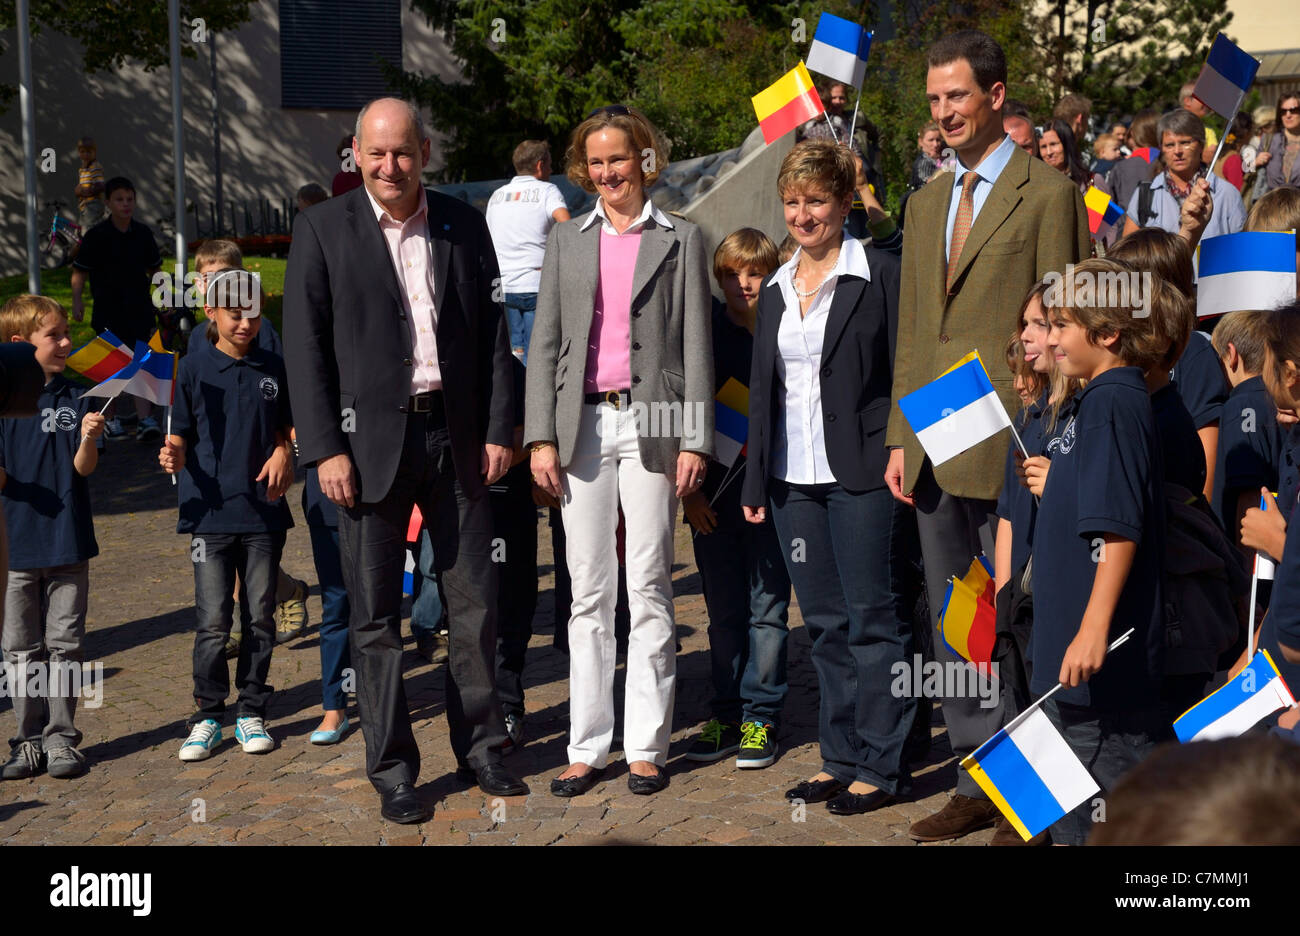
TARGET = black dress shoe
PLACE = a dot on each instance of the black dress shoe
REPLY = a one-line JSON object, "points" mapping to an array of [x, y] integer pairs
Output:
{"points": [[854, 804], [494, 780], [814, 791], [644, 786], [400, 804], [576, 786]]}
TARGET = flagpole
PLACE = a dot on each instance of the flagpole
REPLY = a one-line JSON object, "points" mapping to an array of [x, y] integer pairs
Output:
{"points": [[1224, 139], [1250, 621], [854, 123], [1118, 640], [834, 135]]}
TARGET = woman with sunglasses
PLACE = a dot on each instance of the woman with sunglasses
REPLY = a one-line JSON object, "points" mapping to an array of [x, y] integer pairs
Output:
{"points": [[619, 413], [1281, 160]]}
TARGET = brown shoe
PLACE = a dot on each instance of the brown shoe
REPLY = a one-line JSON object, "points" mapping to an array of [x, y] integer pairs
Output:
{"points": [[961, 816], [1006, 834]]}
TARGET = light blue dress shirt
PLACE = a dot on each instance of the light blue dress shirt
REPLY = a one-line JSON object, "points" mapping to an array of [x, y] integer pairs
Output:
{"points": [[989, 169]]}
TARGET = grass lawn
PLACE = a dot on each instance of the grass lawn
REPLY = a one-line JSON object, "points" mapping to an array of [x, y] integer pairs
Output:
{"points": [[58, 286]]}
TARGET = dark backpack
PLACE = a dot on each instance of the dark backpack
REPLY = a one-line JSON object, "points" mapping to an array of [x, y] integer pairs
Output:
{"points": [[1145, 196], [1205, 577]]}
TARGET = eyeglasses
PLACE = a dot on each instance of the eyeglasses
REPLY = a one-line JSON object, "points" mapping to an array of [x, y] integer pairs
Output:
{"points": [[614, 110], [1290, 110]]}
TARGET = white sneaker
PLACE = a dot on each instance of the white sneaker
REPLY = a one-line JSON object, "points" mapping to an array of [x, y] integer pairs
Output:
{"points": [[204, 737], [251, 733]]}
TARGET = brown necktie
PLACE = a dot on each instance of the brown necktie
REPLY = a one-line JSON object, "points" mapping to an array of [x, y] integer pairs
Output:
{"points": [[961, 227]]}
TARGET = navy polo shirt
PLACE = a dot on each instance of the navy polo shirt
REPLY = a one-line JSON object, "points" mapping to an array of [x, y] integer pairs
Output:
{"points": [[1184, 456], [1201, 381], [268, 339], [1016, 504], [733, 351], [1251, 447], [1106, 477], [229, 410], [1282, 623], [1288, 472], [46, 503]]}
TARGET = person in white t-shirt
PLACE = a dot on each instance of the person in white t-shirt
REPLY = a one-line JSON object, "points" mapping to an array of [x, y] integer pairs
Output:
{"points": [[520, 214]]}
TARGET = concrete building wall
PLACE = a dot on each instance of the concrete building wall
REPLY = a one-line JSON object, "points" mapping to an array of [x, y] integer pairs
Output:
{"points": [[266, 151]]}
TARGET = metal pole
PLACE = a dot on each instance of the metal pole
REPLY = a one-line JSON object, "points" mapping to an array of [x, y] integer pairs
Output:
{"points": [[216, 124], [29, 145], [178, 130]]}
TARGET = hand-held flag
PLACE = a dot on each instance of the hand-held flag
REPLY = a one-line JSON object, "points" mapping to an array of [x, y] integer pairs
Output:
{"points": [[1238, 705], [1247, 270], [1225, 77], [788, 102], [1149, 153], [839, 50], [101, 357], [968, 618], [730, 421], [1103, 211], [957, 411]]}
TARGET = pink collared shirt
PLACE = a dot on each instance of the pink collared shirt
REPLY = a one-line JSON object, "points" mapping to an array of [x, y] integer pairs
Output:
{"points": [[411, 253]]}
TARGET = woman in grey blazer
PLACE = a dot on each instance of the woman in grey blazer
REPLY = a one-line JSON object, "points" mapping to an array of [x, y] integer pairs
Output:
{"points": [[1281, 160], [619, 414]]}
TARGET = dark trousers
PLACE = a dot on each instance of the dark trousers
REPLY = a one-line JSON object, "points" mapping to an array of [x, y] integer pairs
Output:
{"points": [[747, 592], [953, 531], [842, 551], [372, 544], [428, 610], [217, 558], [514, 519], [335, 655], [1011, 649]]}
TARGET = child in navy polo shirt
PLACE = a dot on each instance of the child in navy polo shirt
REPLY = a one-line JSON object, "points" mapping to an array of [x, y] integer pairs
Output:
{"points": [[1251, 445], [44, 461], [230, 445], [1102, 501]]}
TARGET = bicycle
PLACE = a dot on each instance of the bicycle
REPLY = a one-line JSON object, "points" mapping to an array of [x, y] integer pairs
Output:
{"points": [[64, 238]]}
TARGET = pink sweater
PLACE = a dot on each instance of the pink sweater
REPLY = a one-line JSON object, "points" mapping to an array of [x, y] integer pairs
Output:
{"points": [[609, 344]]}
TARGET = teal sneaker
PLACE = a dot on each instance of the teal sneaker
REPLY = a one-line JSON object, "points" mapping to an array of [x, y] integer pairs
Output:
{"points": [[203, 739], [757, 746], [251, 733]]}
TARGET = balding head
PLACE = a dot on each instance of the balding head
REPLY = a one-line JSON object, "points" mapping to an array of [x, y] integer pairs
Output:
{"points": [[1021, 132], [391, 149]]}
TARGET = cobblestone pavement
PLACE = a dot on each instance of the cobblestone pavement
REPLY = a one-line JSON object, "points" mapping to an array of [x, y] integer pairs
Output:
{"points": [[141, 627]]}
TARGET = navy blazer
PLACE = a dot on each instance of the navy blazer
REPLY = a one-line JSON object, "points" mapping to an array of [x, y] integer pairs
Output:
{"points": [[348, 345], [857, 376]]}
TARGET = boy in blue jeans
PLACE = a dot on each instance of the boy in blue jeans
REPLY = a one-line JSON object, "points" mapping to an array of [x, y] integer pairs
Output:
{"points": [[44, 462], [746, 586], [230, 445]]}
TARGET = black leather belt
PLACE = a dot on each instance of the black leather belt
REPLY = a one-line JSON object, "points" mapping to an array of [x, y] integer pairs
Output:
{"points": [[427, 402], [619, 399]]}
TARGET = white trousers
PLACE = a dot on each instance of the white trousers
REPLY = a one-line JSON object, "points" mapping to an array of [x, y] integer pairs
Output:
{"points": [[606, 471]]}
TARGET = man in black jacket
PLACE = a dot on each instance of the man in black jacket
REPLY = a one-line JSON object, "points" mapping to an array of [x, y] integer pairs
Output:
{"points": [[399, 369]]}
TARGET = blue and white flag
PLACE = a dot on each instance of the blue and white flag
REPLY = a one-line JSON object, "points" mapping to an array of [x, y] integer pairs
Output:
{"points": [[1237, 706], [1029, 772], [1225, 76], [839, 50], [408, 575], [956, 412], [1249, 270]]}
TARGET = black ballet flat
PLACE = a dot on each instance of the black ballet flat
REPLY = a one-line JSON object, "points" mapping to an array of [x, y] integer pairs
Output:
{"points": [[814, 791], [855, 804], [576, 786], [644, 786]]}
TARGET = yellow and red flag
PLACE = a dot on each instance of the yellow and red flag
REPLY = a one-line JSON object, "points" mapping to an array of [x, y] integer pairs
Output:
{"points": [[787, 103], [101, 357], [968, 619]]}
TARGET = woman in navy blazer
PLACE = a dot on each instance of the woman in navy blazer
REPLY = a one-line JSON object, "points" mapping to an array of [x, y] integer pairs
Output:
{"points": [[819, 398]]}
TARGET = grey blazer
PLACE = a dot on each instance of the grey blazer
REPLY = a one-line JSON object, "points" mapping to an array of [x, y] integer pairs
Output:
{"points": [[671, 335]]}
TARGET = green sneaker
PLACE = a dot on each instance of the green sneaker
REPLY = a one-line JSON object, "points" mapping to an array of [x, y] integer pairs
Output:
{"points": [[716, 741], [757, 746]]}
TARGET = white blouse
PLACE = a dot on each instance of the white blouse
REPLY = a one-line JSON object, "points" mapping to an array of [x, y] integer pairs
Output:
{"points": [[798, 439]]}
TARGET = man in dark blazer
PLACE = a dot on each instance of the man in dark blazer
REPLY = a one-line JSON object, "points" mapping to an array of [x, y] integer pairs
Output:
{"points": [[400, 372], [973, 244]]}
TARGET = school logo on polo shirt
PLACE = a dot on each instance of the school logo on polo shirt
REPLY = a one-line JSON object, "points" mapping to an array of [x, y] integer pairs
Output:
{"points": [[65, 418], [270, 389], [1066, 440]]}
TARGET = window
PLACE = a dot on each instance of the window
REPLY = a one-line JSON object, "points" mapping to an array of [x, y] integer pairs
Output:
{"points": [[330, 51]]}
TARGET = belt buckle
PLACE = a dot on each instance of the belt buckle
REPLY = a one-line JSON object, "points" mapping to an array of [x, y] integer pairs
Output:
{"points": [[421, 403], [614, 398]]}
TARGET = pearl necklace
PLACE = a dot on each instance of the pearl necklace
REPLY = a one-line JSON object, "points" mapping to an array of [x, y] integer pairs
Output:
{"points": [[804, 295]]}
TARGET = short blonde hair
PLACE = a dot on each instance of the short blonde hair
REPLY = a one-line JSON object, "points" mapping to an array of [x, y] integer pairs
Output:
{"points": [[21, 316], [641, 134], [1141, 343], [1279, 210], [818, 164], [1247, 331], [219, 253], [748, 248]]}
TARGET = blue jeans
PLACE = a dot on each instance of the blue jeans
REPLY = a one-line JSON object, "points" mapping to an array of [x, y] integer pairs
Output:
{"points": [[520, 308], [747, 593], [428, 614], [335, 655], [843, 552], [217, 557]]}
